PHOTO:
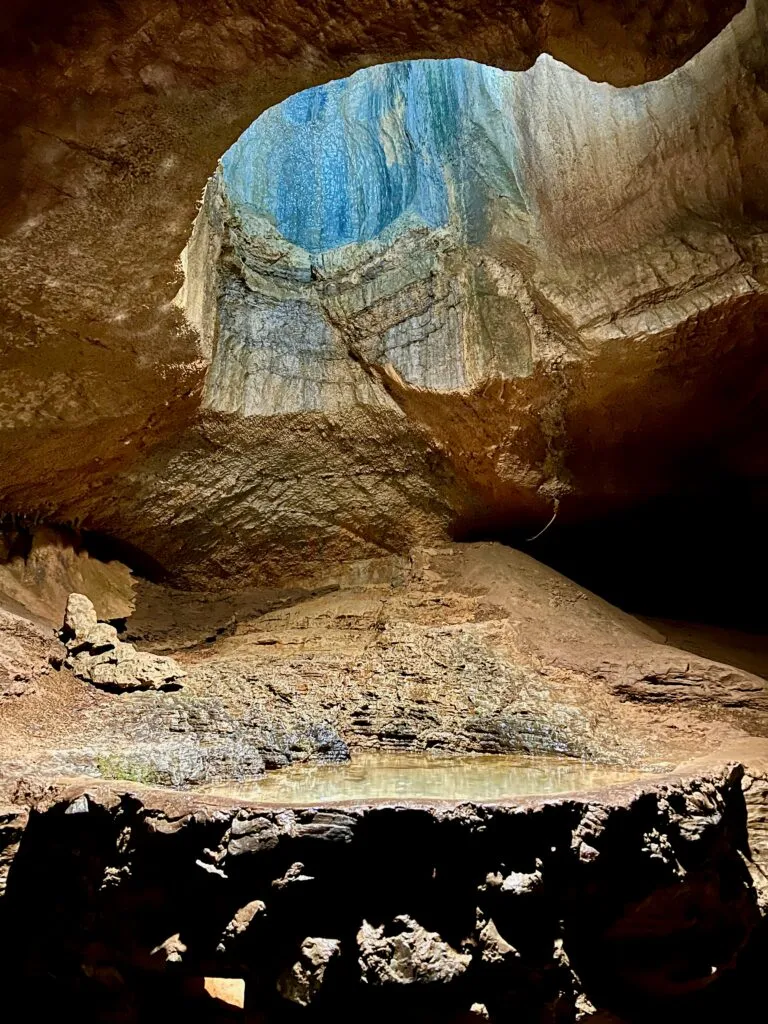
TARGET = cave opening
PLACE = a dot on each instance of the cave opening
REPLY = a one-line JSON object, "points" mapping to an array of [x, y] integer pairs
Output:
{"points": [[316, 733], [321, 203]]}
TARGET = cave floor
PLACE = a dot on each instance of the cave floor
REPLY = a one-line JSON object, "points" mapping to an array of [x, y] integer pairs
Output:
{"points": [[460, 649]]}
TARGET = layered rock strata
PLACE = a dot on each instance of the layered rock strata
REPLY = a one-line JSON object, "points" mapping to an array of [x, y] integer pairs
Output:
{"points": [[463, 649], [596, 339]]}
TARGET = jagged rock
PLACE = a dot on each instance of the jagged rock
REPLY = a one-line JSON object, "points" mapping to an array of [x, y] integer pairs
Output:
{"points": [[42, 566], [172, 950], [302, 982], [294, 874], [405, 953], [493, 948], [522, 883], [97, 655], [79, 617], [241, 924], [578, 960]]}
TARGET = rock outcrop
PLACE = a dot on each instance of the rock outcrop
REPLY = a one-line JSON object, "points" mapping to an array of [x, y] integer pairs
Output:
{"points": [[471, 648], [612, 294], [302, 982], [96, 654], [41, 567], [405, 953], [395, 918]]}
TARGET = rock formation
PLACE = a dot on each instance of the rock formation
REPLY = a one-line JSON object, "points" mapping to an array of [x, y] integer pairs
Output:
{"points": [[653, 924], [97, 655], [302, 328], [407, 955], [650, 195]]}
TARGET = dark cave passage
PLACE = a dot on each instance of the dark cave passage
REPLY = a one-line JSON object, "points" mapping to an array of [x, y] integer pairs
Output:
{"points": [[692, 565]]}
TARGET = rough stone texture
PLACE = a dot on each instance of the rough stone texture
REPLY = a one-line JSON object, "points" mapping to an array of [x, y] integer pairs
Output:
{"points": [[405, 953], [303, 981], [466, 649], [40, 568], [660, 922], [80, 618], [95, 654], [25, 650], [652, 195]]}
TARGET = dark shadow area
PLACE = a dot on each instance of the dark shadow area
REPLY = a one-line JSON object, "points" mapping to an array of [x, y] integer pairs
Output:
{"points": [[695, 557]]}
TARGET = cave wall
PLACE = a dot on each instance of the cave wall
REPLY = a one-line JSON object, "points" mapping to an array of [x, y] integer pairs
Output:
{"points": [[538, 287], [643, 213], [636, 904]]}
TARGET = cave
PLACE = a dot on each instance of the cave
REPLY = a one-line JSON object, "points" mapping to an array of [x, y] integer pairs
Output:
{"points": [[382, 506]]}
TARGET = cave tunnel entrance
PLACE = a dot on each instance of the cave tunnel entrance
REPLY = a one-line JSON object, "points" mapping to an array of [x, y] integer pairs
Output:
{"points": [[692, 565]]}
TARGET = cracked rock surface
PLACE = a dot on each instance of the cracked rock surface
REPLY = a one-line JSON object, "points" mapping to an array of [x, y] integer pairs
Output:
{"points": [[96, 655]]}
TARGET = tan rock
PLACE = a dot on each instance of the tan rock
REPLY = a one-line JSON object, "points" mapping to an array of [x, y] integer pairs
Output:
{"points": [[80, 616], [301, 983], [97, 655], [405, 953]]}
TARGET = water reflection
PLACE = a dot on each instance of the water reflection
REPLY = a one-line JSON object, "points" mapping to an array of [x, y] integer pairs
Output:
{"points": [[409, 776]]}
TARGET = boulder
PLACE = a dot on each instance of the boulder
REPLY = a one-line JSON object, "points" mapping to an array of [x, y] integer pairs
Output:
{"points": [[97, 655]]}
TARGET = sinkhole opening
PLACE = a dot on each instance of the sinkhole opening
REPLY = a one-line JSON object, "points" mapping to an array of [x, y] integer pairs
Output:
{"points": [[419, 142]]}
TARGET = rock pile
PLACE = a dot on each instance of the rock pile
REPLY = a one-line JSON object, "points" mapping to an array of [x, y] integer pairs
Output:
{"points": [[95, 654]]}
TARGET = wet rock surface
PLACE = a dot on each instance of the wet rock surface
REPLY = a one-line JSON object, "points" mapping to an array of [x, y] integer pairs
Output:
{"points": [[460, 649]]}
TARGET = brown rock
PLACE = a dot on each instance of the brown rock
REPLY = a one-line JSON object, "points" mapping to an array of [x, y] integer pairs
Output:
{"points": [[405, 953], [302, 982]]}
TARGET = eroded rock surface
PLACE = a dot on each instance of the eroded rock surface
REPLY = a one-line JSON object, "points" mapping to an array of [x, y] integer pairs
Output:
{"points": [[404, 953], [465, 648], [97, 655], [303, 981], [593, 940], [611, 292]]}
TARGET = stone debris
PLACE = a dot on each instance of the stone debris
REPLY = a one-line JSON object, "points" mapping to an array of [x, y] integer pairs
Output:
{"points": [[97, 655], [302, 981], [411, 954]]}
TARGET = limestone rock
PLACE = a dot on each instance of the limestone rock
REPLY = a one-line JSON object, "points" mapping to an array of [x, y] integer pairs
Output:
{"points": [[494, 949], [522, 883], [241, 925], [41, 566], [405, 953], [531, 384], [172, 950], [97, 655], [80, 616], [301, 983]]}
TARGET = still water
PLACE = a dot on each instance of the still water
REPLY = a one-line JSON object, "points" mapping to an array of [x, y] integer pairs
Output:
{"points": [[410, 776]]}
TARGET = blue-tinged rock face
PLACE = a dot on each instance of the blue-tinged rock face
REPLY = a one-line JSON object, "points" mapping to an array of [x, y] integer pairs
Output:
{"points": [[341, 162]]}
